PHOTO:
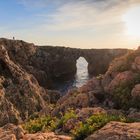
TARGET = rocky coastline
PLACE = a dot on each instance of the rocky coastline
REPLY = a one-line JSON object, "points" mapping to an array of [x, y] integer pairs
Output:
{"points": [[106, 107]]}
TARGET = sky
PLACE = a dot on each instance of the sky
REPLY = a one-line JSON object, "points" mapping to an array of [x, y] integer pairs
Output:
{"points": [[72, 23]]}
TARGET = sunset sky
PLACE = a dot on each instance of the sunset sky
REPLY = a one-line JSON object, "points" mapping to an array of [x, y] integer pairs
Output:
{"points": [[72, 23]]}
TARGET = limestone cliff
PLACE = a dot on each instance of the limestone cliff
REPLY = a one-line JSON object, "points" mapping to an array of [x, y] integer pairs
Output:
{"points": [[48, 63], [118, 88], [20, 93]]}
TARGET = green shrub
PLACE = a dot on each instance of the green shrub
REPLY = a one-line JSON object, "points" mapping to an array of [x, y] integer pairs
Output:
{"points": [[40, 124], [94, 123], [68, 115], [48, 123], [80, 131]]}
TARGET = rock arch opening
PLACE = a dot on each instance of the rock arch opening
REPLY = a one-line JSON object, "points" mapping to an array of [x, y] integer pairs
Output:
{"points": [[82, 74]]}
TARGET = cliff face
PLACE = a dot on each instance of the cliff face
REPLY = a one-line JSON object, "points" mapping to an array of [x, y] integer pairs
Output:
{"points": [[49, 63], [25, 67], [116, 92], [61, 62], [118, 88], [20, 93], [122, 80]]}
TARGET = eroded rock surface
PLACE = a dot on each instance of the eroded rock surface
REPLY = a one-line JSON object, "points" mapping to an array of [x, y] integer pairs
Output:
{"points": [[13, 132], [48, 63], [20, 93], [117, 131], [118, 88]]}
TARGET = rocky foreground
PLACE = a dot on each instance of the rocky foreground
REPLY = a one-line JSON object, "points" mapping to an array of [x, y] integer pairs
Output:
{"points": [[106, 108]]}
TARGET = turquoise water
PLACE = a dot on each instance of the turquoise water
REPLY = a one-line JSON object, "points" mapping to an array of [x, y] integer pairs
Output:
{"points": [[80, 79]]}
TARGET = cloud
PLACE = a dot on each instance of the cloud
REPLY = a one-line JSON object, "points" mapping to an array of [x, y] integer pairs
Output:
{"points": [[82, 15], [73, 21], [104, 4], [79, 14]]}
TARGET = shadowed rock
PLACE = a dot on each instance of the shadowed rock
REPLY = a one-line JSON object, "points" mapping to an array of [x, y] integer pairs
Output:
{"points": [[48, 63]]}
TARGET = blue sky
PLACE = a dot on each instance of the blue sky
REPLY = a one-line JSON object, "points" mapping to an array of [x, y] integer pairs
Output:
{"points": [[73, 23]]}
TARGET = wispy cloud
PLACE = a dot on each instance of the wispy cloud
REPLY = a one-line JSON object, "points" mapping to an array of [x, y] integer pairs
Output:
{"points": [[104, 4], [80, 14], [66, 21]]}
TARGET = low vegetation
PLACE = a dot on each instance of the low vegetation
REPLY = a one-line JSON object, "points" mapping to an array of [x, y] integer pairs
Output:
{"points": [[81, 129], [94, 123], [48, 123], [40, 124]]}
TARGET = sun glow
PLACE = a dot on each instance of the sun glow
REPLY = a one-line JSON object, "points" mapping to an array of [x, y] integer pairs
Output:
{"points": [[132, 22]]}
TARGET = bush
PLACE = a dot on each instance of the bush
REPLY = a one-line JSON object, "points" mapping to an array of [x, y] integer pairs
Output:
{"points": [[68, 115], [94, 123], [80, 131], [48, 123], [40, 124]]}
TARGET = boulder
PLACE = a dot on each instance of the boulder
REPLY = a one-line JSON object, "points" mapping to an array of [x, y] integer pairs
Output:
{"points": [[20, 93], [117, 131]]}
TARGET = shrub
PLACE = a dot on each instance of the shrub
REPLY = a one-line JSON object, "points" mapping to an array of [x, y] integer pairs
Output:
{"points": [[48, 123], [40, 124], [80, 131], [68, 115], [94, 123]]}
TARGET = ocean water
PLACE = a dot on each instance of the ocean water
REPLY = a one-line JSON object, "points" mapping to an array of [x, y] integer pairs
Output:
{"points": [[80, 78], [82, 75]]}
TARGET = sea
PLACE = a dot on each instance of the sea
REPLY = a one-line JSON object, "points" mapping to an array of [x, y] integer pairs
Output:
{"points": [[80, 78]]}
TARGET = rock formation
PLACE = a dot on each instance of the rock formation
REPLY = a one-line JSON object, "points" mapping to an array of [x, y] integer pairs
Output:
{"points": [[117, 88], [43, 61], [20, 93], [117, 131], [26, 70]]}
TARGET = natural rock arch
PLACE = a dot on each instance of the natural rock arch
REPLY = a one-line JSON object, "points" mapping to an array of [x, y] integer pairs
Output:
{"points": [[63, 60], [48, 63]]}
